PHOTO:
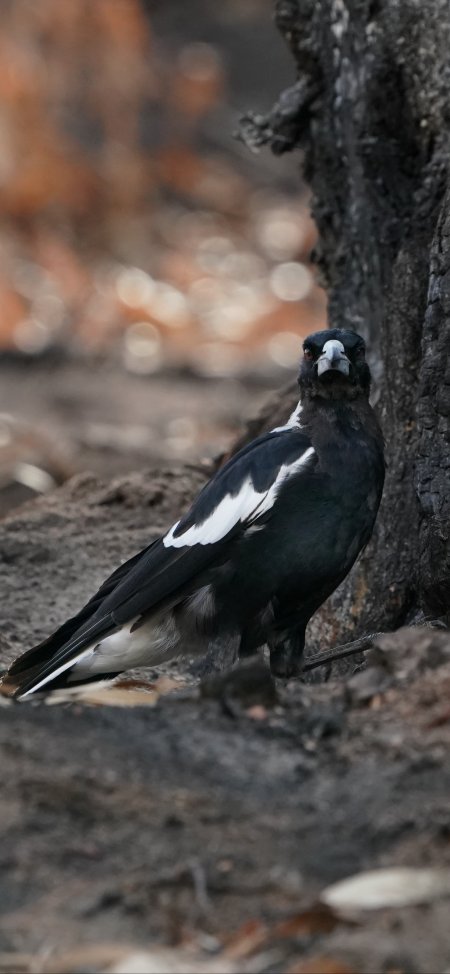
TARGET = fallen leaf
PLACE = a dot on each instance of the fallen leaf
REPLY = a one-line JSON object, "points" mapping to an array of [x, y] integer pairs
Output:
{"points": [[254, 935], [320, 965], [117, 959], [167, 960], [165, 684], [247, 939], [132, 684], [379, 888], [318, 919], [124, 693], [95, 957], [112, 697]]}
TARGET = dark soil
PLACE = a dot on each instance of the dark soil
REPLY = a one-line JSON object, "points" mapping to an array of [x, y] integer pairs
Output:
{"points": [[142, 824]]}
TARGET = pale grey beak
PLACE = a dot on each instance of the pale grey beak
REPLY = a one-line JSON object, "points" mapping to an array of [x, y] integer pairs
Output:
{"points": [[333, 357]]}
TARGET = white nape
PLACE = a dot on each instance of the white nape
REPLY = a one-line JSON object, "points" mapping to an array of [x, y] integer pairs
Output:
{"points": [[245, 506]]}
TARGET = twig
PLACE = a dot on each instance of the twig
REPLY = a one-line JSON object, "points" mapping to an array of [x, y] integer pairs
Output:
{"points": [[347, 649], [199, 880]]}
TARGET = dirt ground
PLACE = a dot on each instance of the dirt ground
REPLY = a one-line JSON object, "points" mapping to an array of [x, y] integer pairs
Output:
{"points": [[209, 819], [99, 417]]}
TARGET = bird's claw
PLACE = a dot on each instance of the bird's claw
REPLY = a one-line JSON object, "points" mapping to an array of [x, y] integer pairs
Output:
{"points": [[285, 665]]}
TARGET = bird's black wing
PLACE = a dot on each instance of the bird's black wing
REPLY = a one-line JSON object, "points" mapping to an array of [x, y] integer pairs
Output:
{"points": [[241, 492], [45, 649]]}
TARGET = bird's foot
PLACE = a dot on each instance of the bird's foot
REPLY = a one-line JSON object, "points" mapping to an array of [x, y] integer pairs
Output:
{"points": [[285, 664]]}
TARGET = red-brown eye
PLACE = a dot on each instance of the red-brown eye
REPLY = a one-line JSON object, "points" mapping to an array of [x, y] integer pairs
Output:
{"points": [[307, 353]]}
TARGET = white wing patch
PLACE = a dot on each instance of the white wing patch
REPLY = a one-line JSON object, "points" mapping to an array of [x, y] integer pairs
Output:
{"points": [[286, 471], [228, 512], [245, 506], [294, 420]]}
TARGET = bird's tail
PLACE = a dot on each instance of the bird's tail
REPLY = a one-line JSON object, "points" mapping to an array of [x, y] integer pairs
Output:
{"points": [[48, 666], [62, 688]]}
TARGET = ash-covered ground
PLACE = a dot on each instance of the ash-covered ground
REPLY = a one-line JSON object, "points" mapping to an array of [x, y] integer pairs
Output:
{"points": [[208, 818]]}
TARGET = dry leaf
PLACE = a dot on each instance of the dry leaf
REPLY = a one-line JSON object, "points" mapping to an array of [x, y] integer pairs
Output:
{"points": [[320, 965], [133, 684], [117, 959], [125, 693], [93, 958], [251, 936], [255, 935], [318, 919], [167, 960], [394, 887], [117, 697]]}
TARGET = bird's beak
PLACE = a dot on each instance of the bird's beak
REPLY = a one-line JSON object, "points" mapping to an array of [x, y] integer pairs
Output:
{"points": [[333, 357]]}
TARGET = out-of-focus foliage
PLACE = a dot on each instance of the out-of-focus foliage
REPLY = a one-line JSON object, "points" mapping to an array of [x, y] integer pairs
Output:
{"points": [[128, 227]]}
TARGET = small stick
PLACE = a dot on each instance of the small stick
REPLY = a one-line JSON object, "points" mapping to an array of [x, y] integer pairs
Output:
{"points": [[347, 649]]}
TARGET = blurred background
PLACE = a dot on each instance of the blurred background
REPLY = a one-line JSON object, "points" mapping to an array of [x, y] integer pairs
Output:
{"points": [[154, 274]]}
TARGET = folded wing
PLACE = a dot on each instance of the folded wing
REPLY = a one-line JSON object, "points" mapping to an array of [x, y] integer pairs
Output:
{"points": [[241, 493]]}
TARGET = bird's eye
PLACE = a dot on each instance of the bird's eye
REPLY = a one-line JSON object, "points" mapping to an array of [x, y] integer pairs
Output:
{"points": [[360, 352], [308, 355]]}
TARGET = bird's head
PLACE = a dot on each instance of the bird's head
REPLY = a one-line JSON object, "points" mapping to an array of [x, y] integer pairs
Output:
{"points": [[334, 365]]}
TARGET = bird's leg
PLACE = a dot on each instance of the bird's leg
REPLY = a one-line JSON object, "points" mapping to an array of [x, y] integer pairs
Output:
{"points": [[249, 643], [222, 652], [286, 652]]}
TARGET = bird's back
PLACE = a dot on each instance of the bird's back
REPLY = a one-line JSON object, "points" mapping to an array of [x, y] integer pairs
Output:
{"points": [[323, 517]]}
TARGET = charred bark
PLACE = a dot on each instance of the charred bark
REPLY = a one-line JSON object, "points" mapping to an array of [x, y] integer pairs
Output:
{"points": [[370, 113]]}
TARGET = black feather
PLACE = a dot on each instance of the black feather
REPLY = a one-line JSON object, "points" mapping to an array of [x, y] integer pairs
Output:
{"points": [[272, 565], [45, 650], [159, 573]]}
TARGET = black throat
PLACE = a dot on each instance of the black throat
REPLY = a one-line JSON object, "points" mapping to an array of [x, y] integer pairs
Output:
{"points": [[333, 387], [346, 431], [352, 412]]}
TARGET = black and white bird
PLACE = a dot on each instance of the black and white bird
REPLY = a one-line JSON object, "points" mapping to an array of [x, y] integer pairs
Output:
{"points": [[267, 540]]}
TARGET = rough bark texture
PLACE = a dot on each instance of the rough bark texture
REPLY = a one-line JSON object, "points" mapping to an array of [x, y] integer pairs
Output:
{"points": [[370, 111]]}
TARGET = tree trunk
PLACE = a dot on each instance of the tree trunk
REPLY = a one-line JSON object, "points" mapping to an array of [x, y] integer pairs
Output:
{"points": [[370, 114]]}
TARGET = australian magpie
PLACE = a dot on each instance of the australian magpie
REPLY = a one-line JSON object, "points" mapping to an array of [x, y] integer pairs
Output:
{"points": [[267, 540]]}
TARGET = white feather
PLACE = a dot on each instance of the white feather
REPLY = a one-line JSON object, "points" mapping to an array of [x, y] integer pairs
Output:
{"points": [[230, 510], [286, 471], [292, 422], [60, 669], [149, 644], [247, 505]]}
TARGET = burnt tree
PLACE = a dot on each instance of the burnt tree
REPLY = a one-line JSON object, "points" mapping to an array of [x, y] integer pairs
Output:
{"points": [[370, 111]]}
